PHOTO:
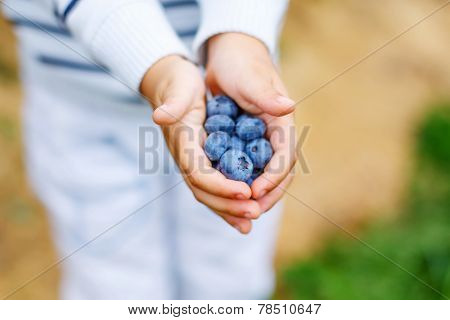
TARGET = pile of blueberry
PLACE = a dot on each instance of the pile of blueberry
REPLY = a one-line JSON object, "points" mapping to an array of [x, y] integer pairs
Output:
{"points": [[235, 144]]}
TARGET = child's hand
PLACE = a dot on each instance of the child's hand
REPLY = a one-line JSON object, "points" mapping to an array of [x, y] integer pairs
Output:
{"points": [[241, 67], [177, 87]]}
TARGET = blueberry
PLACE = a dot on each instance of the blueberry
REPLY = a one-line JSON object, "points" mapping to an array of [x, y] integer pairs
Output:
{"points": [[237, 143], [250, 128], [259, 151], [256, 173], [242, 117], [219, 122], [216, 144], [236, 165], [222, 105]]}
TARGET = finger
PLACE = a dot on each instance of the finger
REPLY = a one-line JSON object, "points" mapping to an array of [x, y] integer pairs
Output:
{"points": [[248, 209], [265, 93], [177, 100], [276, 171], [270, 199], [247, 106], [242, 225], [283, 160], [212, 181], [197, 168]]}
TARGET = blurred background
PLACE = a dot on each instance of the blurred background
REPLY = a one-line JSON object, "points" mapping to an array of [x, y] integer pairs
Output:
{"points": [[378, 153]]}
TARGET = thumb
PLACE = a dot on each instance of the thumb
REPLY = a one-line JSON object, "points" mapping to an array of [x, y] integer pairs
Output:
{"points": [[176, 102], [268, 95]]}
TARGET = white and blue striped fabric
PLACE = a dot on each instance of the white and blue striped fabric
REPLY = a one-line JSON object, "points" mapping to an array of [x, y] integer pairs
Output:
{"points": [[45, 39]]}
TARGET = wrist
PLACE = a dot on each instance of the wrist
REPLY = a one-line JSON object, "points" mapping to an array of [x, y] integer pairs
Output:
{"points": [[243, 43]]}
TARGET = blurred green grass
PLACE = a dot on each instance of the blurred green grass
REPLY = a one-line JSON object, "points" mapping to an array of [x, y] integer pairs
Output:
{"points": [[418, 240]]}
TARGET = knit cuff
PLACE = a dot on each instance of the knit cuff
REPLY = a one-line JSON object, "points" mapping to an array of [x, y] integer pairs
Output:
{"points": [[261, 19]]}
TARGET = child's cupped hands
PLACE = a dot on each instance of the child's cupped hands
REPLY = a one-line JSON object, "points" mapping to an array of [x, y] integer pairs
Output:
{"points": [[241, 67]]}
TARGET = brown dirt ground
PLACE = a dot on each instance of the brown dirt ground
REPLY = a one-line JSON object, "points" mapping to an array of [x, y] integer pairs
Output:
{"points": [[358, 149]]}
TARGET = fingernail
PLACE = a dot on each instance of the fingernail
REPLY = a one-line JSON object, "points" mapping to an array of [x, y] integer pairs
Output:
{"points": [[248, 215], [285, 101], [262, 193], [240, 196]]}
